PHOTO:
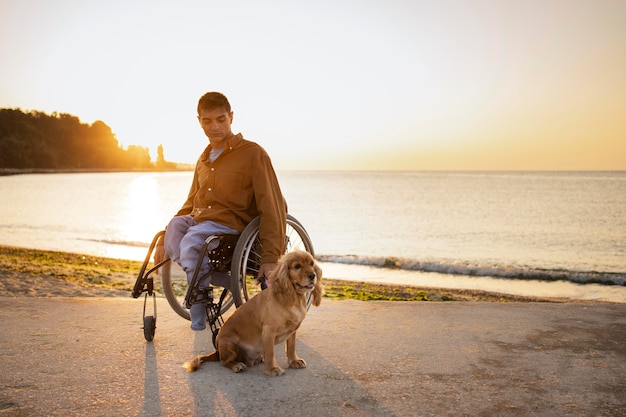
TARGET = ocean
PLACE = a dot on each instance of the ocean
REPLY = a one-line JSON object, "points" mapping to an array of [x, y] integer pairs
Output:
{"points": [[554, 234]]}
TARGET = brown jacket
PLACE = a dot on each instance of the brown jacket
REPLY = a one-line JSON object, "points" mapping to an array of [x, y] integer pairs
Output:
{"points": [[240, 185]]}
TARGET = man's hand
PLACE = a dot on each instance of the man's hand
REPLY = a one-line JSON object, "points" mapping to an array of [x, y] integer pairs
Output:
{"points": [[159, 254], [266, 269], [159, 251]]}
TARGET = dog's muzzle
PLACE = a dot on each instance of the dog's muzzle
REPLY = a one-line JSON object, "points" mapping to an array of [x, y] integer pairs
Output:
{"points": [[311, 277]]}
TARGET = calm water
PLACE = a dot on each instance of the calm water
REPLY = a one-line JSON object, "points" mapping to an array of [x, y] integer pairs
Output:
{"points": [[522, 233]]}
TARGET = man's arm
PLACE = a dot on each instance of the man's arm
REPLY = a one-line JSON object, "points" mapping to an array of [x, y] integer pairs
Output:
{"points": [[187, 207], [272, 211]]}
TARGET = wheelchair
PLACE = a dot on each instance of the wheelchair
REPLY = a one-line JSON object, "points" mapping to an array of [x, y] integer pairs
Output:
{"points": [[235, 262]]}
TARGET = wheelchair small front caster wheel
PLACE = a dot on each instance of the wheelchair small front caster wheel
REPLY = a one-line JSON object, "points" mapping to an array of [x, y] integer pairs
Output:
{"points": [[149, 327]]}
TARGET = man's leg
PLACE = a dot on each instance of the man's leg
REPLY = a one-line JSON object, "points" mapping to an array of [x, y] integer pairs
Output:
{"points": [[190, 246], [176, 230]]}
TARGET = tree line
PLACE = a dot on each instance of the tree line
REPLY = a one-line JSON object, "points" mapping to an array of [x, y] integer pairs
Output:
{"points": [[35, 140]]}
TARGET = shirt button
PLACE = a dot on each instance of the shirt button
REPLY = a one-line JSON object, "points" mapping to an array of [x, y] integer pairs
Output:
{"points": [[212, 169], [209, 207], [210, 188]]}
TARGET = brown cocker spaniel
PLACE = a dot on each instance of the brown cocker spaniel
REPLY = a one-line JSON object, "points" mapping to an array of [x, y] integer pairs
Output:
{"points": [[271, 317]]}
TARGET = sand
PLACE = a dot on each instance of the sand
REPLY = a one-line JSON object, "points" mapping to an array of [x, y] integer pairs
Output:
{"points": [[37, 273]]}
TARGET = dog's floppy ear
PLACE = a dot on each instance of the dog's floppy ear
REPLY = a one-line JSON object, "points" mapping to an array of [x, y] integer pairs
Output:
{"points": [[281, 284], [318, 290]]}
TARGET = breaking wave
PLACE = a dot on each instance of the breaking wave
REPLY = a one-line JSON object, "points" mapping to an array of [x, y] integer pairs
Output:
{"points": [[467, 269], [453, 268]]}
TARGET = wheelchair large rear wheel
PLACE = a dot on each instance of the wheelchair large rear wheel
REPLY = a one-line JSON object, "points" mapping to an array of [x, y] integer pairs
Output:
{"points": [[174, 281], [247, 257]]}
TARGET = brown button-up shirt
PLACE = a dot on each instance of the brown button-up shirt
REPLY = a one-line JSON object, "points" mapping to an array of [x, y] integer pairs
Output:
{"points": [[237, 187]]}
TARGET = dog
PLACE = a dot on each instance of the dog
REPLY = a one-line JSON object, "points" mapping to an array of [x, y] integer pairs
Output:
{"points": [[273, 316]]}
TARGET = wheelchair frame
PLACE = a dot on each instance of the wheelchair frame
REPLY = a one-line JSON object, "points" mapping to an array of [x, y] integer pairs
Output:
{"points": [[237, 258]]}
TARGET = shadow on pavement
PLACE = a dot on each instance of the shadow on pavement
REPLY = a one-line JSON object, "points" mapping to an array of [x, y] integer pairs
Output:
{"points": [[218, 391]]}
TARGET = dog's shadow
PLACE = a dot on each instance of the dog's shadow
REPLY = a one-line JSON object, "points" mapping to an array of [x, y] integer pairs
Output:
{"points": [[320, 389]]}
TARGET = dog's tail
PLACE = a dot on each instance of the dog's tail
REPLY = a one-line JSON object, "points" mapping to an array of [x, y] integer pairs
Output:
{"points": [[194, 365]]}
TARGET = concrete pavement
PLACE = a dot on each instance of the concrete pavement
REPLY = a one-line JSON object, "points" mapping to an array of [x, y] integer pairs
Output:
{"points": [[88, 357]]}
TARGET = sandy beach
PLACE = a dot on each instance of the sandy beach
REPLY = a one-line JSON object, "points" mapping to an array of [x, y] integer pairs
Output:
{"points": [[36, 273]]}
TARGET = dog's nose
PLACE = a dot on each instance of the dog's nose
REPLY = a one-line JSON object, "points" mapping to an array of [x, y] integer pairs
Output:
{"points": [[311, 276]]}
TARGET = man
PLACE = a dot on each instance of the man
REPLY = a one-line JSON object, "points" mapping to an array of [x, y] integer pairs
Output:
{"points": [[233, 183]]}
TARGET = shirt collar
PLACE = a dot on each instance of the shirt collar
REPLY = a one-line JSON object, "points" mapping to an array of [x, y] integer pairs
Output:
{"points": [[230, 144]]}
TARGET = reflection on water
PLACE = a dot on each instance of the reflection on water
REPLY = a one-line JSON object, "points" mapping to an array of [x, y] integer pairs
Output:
{"points": [[137, 209], [109, 214]]}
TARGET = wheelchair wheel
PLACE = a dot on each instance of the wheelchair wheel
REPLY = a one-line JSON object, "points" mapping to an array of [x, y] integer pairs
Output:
{"points": [[174, 281], [247, 257], [149, 327]]}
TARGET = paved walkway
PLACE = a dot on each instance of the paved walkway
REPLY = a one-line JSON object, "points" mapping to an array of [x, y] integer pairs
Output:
{"points": [[88, 357]]}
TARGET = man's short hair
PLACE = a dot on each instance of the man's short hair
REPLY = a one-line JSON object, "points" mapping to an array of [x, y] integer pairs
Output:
{"points": [[213, 100]]}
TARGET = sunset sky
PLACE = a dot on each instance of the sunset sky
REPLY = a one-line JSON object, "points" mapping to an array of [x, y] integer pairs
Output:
{"points": [[341, 84]]}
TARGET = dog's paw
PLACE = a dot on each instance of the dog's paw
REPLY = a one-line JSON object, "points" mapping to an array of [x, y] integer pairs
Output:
{"points": [[276, 371], [297, 364], [238, 367]]}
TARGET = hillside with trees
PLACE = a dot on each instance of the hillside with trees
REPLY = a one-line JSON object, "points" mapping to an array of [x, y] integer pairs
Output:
{"points": [[35, 140]]}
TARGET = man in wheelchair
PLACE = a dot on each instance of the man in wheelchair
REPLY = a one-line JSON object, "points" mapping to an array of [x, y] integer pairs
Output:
{"points": [[233, 182]]}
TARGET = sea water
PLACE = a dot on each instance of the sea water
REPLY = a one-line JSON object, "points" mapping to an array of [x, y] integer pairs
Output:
{"points": [[528, 233]]}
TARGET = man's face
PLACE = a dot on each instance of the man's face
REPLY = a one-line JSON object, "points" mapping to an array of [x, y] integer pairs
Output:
{"points": [[216, 125]]}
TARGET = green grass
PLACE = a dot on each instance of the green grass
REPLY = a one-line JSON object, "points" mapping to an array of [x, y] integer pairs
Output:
{"points": [[369, 292], [105, 272]]}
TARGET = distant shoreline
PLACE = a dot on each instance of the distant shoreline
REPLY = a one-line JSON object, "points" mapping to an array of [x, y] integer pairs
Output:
{"points": [[19, 171], [184, 167]]}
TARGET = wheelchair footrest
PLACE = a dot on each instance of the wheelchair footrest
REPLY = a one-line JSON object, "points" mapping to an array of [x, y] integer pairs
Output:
{"points": [[196, 296]]}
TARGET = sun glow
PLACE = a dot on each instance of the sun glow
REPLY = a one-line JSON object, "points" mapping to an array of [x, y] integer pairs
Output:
{"points": [[399, 85]]}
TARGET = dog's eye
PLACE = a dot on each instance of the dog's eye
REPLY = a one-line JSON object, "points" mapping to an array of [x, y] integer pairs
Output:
{"points": [[297, 265]]}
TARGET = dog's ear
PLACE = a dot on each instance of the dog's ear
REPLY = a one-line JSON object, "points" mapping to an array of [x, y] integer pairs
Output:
{"points": [[318, 290], [281, 284]]}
